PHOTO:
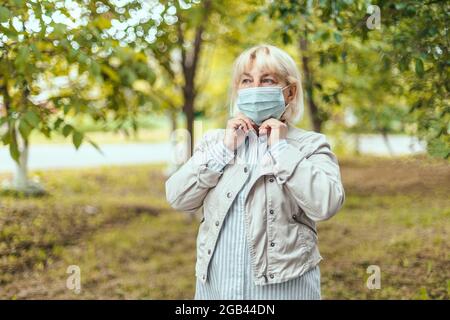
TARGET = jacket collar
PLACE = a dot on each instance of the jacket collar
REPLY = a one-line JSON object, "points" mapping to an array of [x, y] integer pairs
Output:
{"points": [[294, 133]]}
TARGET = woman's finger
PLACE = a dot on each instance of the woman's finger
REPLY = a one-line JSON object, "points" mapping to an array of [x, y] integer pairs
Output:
{"points": [[239, 123], [263, 128], [249, 122]]}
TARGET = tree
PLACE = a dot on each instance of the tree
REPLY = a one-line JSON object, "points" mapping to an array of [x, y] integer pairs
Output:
{"points": [[187, 29], [411, 48], [417, 32], [315, 28], [57, 63]]}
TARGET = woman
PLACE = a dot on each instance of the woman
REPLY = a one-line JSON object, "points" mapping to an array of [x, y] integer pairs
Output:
{"points": [[263, 184]]}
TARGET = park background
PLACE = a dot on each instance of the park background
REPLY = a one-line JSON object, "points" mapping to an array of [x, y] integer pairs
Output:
{"points": [[91, 93]]}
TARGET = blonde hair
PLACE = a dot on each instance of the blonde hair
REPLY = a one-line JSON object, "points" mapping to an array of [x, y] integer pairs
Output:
{"points": [[273, 59]]}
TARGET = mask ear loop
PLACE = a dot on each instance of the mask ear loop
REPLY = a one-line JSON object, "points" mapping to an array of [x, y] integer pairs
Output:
{"points": [[287, 105]]}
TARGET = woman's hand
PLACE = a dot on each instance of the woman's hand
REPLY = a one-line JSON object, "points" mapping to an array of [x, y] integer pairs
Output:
{"points": [[236, 130], [275, 129]]}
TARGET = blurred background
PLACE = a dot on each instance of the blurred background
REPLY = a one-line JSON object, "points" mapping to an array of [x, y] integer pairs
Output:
{"points": [[96, 97]]}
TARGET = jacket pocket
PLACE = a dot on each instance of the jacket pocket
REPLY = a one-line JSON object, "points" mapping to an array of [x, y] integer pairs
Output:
{"points": [[311, 229], [201, 244], [203, 230], [307, 232]]}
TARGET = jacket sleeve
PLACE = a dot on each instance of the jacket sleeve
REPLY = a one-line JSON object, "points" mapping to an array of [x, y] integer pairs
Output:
{"points": [[189, 185], [312, 176]]}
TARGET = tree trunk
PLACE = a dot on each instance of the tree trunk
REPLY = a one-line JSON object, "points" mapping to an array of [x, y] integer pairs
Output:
{"points": [[20, 180], [173, 164], [189, 113], [189, 62], [309, 86], [357, 149], [173, 121], [387, 143]]}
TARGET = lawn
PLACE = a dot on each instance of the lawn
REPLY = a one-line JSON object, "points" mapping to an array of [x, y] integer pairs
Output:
{"points": [[114, 223]]}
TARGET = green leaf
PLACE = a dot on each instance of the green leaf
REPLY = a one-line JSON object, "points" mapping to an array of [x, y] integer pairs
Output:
{"points": [[102, 22], [22, 60], [95, 68], [46, 131], [77, 138], [6, 138], [110, 72], [32, 118], [67, 108], [67, 129], [9, 32], [419, 67], [325, 35], [438, 148], [14, 150], [58, 123], [286, 38], [59, 29], [253, 16], [25, 129], [95, 146], [403, 64], [337, 37], [4, 14]]}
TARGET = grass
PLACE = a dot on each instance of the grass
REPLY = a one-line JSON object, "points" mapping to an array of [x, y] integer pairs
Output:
{"points": [[114, 223]]}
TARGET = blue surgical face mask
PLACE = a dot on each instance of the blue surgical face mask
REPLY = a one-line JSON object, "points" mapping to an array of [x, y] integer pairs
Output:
{"points": [[261, 103]]}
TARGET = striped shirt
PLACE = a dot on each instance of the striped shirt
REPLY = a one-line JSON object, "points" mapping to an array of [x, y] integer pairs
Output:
{"points": [[230, 273]]}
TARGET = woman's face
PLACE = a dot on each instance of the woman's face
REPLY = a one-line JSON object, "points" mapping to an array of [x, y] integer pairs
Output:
{"points": [[256, 77]]}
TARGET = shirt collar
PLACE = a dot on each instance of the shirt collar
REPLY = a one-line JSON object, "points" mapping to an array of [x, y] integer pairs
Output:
{"points": [[252, 136]]}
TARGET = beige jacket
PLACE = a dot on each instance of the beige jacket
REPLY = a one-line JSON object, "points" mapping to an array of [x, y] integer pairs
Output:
{"points": [[294, 190]]}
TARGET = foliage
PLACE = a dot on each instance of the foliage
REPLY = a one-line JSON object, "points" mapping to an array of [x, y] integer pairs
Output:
{"points": [[403, 65], [57, 61]]}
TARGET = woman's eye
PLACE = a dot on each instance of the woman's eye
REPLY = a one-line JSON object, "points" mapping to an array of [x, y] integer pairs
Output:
{"points": [[246, 81], [268, 81]]}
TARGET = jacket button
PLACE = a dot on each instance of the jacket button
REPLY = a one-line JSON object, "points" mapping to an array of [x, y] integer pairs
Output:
{"points": [[271, 180], [294, 216], [245, 169], [204, 277], [271, 211], [217, 223], [209, 251], [271, 276], [229, 195], [272, 244]]}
